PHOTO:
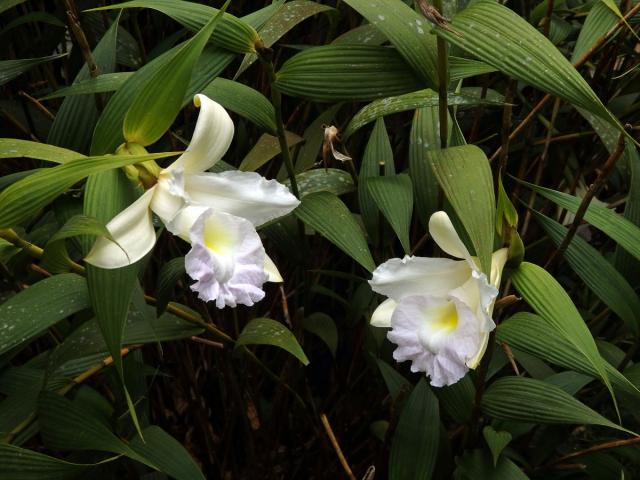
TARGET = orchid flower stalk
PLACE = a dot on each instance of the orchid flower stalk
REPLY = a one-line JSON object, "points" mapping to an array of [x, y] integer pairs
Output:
{"points": [[218, 213], [439, 309]]}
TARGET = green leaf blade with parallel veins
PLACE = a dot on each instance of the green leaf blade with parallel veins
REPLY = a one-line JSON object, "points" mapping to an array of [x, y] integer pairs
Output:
{"points": [[264, 331], [464, 175], [407, 30], [325, 213], [346, 72], [501, 38], [156, 106]]}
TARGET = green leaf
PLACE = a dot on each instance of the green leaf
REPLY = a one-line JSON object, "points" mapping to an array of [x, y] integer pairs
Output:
{"points": [[75, 119], [395, 382], [7, 4], [167, 454], [461, 68], [534, 401], [10, 69], [393, 194], [323, 326], [501, 38], [416, 43], [414, 447], [409, 101], [32, 311], [330, 180], [105, 82], [506, 213], [550, 301], [170, 273], [14, 148], [616, 226], [55, 256], [22, 464], [599, 21], [478, 465], [266, 148], [67, 425], [111, 291], [377, 157], [597, 273], [243, 100], [365, 34], [325, 213], [464, 175], [287, 17], [264, 331], [22, 199], [457, 400], [530, 333], [332, 73], [232, 34], [425, 135], [496, 441], [108, 133], [156, 106]]}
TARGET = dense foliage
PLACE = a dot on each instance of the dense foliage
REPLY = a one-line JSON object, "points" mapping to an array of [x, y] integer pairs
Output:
{"points": [[517, 119]]}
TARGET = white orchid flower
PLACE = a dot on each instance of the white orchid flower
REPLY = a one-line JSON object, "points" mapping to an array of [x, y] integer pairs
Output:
{"points": [[216, 212], [439, 309]]}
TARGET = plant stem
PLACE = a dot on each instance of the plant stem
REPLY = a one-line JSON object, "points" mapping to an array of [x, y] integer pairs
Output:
{"points": [[443, 84], [276, 99]]}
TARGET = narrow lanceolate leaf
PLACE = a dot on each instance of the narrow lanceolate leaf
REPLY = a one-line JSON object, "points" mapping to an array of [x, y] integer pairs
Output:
{"points": [[461, 68], [24, 198], [10, 69], [267, 147], [346, 72], [170, 273], [532, 334], [264, 331], [243, 100], [14, 148], [330, 180], [167, 454], [155, 108], [33, 310], [325, 213], [597, 273], [108, 133], [55, 256], [414, 448], [284, 19], [377, 159], [76, 118], [393, 194], [323, 326], [106, 82], [106, 195], [534, 401], [616, 226], [599, 21], [407, 30], [501, 38], [233, 33], [22, 464], [550, 301], [68, 425], [425, 136], [464, 175], [408, 101]]}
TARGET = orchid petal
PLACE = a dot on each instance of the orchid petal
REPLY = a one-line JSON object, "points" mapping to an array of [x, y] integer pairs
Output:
{"points": [[475, 361], [168, 198], [437, 335], [382, 315], [180, 225], [273, 275], [243, 194], [445, 235], [133, 231], [398, 278], [211, 138], [227, 259]]}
